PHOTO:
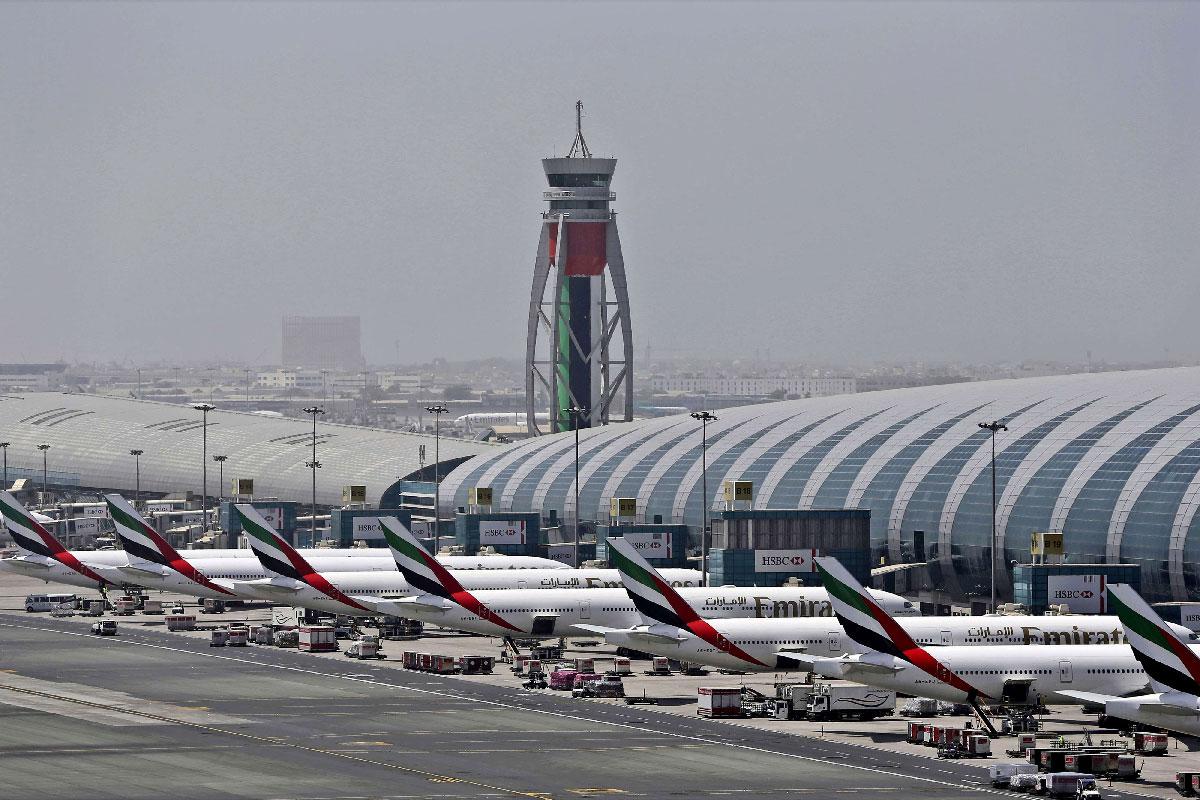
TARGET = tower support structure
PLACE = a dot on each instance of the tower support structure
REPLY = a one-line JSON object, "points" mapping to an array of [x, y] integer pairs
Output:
{"points": [[579, 350]]}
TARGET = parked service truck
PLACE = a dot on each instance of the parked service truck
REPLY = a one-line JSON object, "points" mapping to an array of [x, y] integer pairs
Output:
{"points": [[849, 701], [1001, 774]]}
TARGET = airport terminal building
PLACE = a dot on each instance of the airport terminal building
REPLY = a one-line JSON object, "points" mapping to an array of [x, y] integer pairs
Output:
{"points": [[1110, 459]]}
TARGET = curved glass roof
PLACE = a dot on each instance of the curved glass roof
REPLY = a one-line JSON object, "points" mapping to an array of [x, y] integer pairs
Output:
{"points": [[1111, 459], [90, 438]]}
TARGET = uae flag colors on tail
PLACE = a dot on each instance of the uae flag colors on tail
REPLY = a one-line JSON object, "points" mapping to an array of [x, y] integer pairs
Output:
{"points": [[872, 627], [279, 557], [1171, 664], [31, 536], [655, 599], [143, 542], [425, 574]]}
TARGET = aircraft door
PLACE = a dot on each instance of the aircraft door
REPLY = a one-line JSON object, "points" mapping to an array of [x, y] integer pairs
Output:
{"points": [[522, 584], [947, 638], [1064, 671], [834, 639], [585, 609]]}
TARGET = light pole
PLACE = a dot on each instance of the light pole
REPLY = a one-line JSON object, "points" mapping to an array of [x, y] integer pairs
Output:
{"points": [[220, 477], [137, 468], [576, 412], [314, 465], [43, 448], [704, 417], [437, 412], [204, 408], [993, 427], [4, 447]]}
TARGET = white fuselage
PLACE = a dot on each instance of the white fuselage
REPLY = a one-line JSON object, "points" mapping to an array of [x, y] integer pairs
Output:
{"points": [[374, 586], [578, 611], [766, 639], [51, 571], [1106, 669], [363, 558]]}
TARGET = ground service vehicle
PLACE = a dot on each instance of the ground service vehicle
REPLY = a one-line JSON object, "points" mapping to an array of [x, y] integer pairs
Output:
{"points": [[719, 701], [47, 602], [1001, 774], [105, 627], [317, 638], [830, 701]]}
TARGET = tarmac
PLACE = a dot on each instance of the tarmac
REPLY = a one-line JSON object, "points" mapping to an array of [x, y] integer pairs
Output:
{"points": [[147, 714]]}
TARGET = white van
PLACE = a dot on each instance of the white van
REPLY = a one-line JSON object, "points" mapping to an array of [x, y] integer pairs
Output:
{"points": [[47, 602]]}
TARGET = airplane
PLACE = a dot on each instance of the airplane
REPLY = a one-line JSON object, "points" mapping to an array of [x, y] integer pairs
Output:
{"points": [[673, 626], [297, 581], [1169, 659], [1009, 674], [152, 562], [445, 599], [43, 556]]}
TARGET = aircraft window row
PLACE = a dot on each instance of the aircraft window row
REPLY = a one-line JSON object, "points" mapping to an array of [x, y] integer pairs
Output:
{"points": [[1005, 672], [1114, 671]]}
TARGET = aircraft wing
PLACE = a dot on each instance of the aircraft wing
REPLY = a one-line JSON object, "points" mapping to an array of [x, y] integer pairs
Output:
{"points": [[1148, 702], [397, 605], [599, 630], [1091, 698], [135, 570]]}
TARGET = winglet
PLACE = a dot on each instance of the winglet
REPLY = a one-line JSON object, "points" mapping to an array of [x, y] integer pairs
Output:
{"points": [[1168, 660], [656, 600], [143, 542], [872, 627], [31, 536], [279, 557], [425, 574]]}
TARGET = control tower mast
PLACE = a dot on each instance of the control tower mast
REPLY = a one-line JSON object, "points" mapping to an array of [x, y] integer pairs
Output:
{"points": [[579, 348]]}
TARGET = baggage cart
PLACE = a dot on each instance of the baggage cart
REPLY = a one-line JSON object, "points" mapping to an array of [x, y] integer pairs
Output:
{"points": [[659, 666], [219, 638], [238, 637], [181, 622], [621, 666], [1148, 743], [152, 607], [476, 665]]}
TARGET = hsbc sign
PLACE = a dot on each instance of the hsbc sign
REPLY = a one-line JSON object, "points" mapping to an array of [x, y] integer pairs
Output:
{"points": [[1083, 594], [650, 545], [785, 560]]}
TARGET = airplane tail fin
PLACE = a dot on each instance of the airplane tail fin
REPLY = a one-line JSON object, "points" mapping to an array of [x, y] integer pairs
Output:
{"points": [[425, 574], [1168, 660], [137, 537], [143, 543], [652, 596], [273, 551], [422, 571], [862, 617], [29, 534], [33, 537]]}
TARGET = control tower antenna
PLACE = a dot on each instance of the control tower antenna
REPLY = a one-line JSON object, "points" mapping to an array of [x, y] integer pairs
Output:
{"points": [[579, 148]]}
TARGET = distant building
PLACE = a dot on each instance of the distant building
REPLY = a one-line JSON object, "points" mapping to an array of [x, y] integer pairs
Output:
{"points": [[304, 380], [754, 387], [30, 377], [332, 343]]}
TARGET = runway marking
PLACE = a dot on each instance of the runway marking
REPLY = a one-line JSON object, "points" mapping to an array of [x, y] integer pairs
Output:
{"points": [[497, 704]]}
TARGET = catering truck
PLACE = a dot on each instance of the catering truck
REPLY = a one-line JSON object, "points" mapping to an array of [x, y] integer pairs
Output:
{"points": [[849, 701]]}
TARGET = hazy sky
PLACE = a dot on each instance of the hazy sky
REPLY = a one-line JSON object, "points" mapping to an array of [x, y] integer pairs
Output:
{"points": [[845, 181]]}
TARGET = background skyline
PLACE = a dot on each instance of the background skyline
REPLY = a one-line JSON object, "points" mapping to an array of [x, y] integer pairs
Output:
{"points": [[834, 182]]}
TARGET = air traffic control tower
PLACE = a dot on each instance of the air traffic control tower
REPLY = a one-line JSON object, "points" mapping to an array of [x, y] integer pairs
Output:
{"points": [[579, 350]]}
